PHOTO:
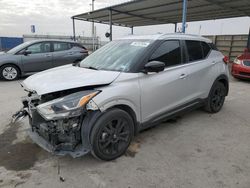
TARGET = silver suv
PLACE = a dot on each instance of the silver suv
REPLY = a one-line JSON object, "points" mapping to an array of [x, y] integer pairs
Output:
{"points": [[126, 86], [38, 55]]}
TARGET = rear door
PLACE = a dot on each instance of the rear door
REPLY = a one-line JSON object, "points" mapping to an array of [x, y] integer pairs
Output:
{"points": [[166, 90], [39, 59], [201, 67], [63, 53]]}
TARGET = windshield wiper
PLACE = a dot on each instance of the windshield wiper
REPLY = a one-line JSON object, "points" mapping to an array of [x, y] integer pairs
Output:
{"points": [[89, 67]]}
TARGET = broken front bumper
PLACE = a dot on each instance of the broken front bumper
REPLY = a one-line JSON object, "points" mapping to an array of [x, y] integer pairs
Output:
{"points": [[78, 151], [60, 137]]}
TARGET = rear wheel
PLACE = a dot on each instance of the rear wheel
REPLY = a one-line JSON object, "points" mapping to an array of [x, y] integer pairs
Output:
{"points": [[216, 98], [76, 62], [9, 72], [112, 134]]}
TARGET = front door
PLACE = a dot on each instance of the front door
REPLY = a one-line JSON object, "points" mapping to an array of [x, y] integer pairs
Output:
{"points": [[166, 90], [39, 57]]}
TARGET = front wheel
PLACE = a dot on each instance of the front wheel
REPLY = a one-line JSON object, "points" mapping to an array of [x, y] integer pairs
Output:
{"points": [[112, 134], [216, 98], [9, 72]]}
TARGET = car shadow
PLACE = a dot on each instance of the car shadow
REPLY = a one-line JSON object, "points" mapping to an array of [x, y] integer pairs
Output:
{"points": [[147, 136], [17, 80]]}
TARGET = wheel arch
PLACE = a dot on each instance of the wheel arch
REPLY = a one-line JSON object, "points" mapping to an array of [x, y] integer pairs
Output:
{"points": [[224, 80], [92, 116]]}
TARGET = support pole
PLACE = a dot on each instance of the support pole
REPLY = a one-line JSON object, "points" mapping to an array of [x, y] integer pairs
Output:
{"points": [[184, 15], [93, 26], [132, 30], [93, 29], [248, 41], [110, 24], [74, 29], [175, 27]]}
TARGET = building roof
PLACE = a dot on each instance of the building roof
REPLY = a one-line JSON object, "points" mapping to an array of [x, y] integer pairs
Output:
{"points": [[154, 12]]}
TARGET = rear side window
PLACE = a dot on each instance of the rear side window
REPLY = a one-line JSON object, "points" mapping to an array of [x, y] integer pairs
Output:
{"points": [[61, 46], [194, 50], [206, 49], [169, 53]]}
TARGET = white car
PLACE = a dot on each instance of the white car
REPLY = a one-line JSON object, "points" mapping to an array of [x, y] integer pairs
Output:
{"points": [[121, 89]]}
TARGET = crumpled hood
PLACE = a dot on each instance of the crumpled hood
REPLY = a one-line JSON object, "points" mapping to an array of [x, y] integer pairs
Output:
{"points": [[67, 77]]}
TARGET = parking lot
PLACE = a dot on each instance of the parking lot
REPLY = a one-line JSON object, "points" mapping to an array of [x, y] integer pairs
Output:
{"points": [[193, 151]]}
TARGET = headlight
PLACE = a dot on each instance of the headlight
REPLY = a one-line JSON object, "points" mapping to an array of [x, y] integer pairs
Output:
{"points": [[68, 106], [237, 61]]}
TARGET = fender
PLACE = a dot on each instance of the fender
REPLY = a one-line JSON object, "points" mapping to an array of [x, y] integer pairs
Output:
{"points": [[114, 102], [87, 125]]}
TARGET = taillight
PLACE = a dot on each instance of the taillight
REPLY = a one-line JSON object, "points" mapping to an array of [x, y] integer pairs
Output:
{"points": [[84, 51], [226, 59]]}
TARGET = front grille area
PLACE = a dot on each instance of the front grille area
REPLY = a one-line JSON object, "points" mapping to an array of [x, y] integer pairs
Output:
{"points": [[246, 63], [244, 74], [62, 134]]}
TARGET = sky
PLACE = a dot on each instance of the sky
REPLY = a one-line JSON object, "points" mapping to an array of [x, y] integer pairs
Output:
{"points": [[54, 17]]}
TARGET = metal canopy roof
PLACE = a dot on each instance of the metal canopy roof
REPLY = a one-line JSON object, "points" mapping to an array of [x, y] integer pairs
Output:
{"points": [[153, 12]]}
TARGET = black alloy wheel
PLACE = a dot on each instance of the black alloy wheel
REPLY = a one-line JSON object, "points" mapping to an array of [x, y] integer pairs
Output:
{"points": [[216, 98], [112, 134]]}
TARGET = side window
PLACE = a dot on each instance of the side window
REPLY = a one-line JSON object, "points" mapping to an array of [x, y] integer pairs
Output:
{"points": [[42, 47], [206, 49], [169, 53], [61, 46], [194, 50]]}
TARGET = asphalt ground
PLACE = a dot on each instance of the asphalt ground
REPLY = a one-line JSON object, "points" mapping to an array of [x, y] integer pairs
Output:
{"points": [[195, 150]]}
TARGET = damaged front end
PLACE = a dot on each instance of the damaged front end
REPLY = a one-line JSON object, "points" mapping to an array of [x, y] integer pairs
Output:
{"points": [[56, 119]]}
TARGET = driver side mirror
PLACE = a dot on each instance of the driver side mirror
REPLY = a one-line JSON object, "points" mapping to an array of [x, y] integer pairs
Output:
{"points": [[26, 52], [154, 66]]}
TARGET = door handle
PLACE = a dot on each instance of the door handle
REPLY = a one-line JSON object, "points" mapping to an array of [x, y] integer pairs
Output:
{"points": [[47, 55], [213, 62], [183, 76], [70, 53]]}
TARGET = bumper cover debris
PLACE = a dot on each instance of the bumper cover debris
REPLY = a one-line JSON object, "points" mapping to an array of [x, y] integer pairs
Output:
{"points": [[78, 152]]}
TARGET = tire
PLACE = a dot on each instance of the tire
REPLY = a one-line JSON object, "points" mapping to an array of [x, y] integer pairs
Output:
{"points": [[76, 62], [9, 72], [216, 98], [111, 134]]}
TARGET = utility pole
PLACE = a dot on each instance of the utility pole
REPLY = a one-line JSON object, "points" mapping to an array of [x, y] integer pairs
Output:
{"points": [[93, 27]]}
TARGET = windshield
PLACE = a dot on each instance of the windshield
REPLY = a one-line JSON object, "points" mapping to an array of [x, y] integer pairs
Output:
{"points": [[18, 48], [118, 55]]}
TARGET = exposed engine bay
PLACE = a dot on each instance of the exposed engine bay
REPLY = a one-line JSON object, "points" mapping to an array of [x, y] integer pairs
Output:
{"points": [[56, 119]]}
